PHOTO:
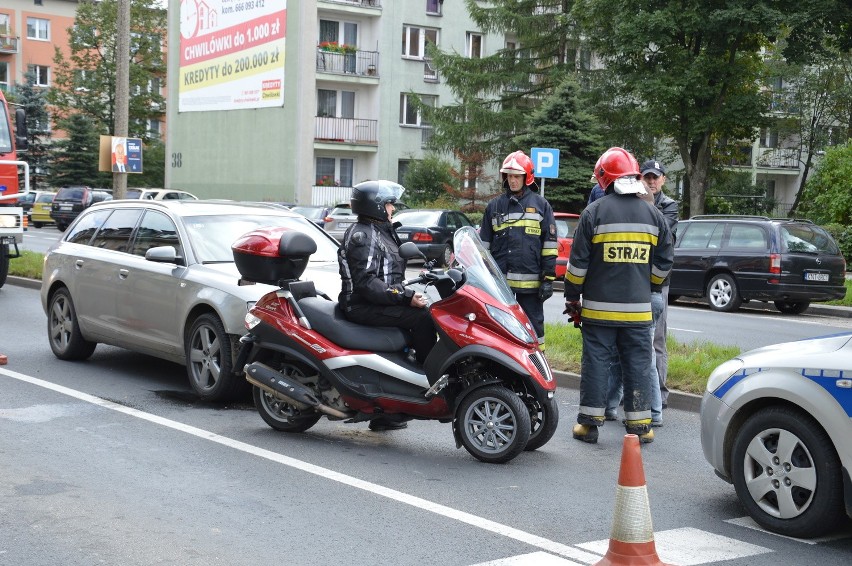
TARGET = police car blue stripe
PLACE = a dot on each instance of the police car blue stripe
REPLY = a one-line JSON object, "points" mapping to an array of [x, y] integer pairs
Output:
{"points": [[733, 380], [828, 379]]}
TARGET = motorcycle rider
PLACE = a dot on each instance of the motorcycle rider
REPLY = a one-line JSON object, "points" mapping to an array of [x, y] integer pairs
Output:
{"points": [[372, 270], [519, 230]]}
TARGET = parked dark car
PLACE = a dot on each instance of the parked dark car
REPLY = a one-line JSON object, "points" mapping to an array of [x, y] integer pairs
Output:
{"points": [[431, 229], [314, 213], [69, 202], [734, 259]]}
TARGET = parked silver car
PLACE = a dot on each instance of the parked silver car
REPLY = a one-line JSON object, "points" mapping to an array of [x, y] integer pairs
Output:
{"points": [[158, 277], [776, 423]]}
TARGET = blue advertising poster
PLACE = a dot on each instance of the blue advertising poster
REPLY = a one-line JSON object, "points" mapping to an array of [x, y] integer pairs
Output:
{"points": [[134, 155]]}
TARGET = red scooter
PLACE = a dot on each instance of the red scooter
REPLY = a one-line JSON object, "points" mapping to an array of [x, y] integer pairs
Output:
{"points": [[485, 375]]}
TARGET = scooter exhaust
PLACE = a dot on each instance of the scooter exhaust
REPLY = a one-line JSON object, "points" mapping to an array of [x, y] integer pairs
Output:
{"points": [[286, 389]]}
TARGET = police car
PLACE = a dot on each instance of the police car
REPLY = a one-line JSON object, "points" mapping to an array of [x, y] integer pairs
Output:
{"points": [[776, 423]]}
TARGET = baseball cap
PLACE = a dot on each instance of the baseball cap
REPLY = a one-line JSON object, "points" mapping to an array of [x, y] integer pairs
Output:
{"points": [[653, 166]]}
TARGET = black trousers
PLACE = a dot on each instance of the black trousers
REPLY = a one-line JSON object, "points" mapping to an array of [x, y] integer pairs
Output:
{"points": [[417, 321]]}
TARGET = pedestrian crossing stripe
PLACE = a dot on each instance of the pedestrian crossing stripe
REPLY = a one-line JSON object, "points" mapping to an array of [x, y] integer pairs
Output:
{"points": [[749, 523]]}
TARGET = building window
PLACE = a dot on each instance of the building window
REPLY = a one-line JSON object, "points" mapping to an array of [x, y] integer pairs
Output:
{"points": [[326, 103], [325, 171], [769, 137], [414, 40], [474, 45], [154, 129], [402, 170], [347, 166], [38, 28], [409, 115], [4, 25], [434, 7], [4, 76], [41, 74], [42, 126]]}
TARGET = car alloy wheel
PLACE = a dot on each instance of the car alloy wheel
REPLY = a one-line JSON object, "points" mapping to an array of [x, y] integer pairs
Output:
{"points": [[63, 328], [787, 473], [722, 293], [209, 360]]}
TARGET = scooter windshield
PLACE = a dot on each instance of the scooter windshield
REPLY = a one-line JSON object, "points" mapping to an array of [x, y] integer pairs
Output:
{"points": [[480, 269]]}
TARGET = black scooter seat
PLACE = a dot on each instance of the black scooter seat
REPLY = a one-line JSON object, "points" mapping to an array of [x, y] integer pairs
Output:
{"points": [[327, 318]]}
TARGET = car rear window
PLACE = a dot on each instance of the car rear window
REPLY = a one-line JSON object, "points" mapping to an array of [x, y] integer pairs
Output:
{"points": [[71, 193], [418, 218], [807, 238], [45, 197], [565, 228], [747, 236]]}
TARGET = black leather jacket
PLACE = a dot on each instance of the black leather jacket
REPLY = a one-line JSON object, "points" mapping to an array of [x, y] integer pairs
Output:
{"points": [[371, 268]]}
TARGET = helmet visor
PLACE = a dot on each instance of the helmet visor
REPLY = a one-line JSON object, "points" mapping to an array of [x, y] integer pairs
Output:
{"points": [[389, 191]]}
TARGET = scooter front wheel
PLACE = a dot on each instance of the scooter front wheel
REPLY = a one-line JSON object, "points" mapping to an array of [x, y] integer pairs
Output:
{"points": [[544, 418], [494, 424], [281, 415]]}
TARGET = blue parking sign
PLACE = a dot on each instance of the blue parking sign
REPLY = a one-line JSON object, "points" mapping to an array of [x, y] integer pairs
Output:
{"points": [[545, 161]]}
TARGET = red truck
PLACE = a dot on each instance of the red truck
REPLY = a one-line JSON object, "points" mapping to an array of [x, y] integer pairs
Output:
{"points": [[12, 223]]}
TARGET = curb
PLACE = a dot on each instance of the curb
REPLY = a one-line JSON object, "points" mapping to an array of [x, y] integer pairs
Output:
{"points": [[677, 399], [24, 282]]}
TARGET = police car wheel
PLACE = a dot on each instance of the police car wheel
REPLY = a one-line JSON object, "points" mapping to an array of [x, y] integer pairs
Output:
{"points": [[787, 473]]}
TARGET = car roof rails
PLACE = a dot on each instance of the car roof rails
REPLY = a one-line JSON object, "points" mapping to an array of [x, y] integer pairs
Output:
{"points": [[729, 217], [785, 219]]}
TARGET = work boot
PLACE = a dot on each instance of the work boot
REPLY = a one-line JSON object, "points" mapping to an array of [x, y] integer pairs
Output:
{"points": [[586, 433], [381, 424], [647, 438], [611, 415]]}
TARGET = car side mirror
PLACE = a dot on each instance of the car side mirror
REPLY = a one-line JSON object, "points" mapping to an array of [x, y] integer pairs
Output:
{"points": [[163, 254]]}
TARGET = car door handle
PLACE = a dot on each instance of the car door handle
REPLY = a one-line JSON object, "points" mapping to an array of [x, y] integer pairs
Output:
{"points": [[78, 264], [123, 273]]}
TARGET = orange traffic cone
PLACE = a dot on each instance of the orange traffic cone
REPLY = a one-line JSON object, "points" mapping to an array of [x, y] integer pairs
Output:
{"points": [[631, 542]]}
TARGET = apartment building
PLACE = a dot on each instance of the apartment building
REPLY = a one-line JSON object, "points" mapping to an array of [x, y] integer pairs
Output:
{"points": [[301, 100], [29, 33]]}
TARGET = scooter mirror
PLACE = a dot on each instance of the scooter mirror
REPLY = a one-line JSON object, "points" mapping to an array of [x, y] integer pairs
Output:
{"points": [[409, 250]]}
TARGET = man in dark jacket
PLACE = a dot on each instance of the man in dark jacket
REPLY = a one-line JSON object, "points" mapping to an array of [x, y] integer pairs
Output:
{"points": [[621, 247], [519, 230], [654, 177], [372, 271]]}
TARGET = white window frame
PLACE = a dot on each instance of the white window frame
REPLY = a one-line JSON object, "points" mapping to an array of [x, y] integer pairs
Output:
{"points": [[408, 115], [414, 40], [38, 69], [474, 45], [437, 7], [40, 27]]}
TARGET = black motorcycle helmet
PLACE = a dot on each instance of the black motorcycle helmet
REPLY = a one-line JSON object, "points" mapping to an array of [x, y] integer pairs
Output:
{"points": [[369, 198]]}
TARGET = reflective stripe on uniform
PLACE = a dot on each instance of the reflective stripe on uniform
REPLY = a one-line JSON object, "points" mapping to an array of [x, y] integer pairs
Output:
{"points": [[643, 237], [624, 312], [592, 411], [523, 280]]}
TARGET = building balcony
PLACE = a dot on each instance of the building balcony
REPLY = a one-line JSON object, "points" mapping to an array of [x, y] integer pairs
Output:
{"points": [[781, 159], [9, 43], [356, 131], [361, 63], [357, 6]]}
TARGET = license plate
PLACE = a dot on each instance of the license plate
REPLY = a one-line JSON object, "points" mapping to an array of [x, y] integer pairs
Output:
{"points": [[344, 224], [65, 206], [816, 276]]}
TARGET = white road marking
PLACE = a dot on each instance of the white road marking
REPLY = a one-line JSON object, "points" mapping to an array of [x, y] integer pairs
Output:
{"points": [[532, 559], [749, 523], [414, 501], [686, 330], [688, 547]]}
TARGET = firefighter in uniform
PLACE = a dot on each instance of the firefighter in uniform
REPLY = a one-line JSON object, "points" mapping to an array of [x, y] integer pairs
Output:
{"points": [[622, 246], [519, 230], [372, 271]]}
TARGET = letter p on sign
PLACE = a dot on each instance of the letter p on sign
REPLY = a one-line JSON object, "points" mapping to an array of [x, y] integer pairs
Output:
{"points": [[546, 162]]}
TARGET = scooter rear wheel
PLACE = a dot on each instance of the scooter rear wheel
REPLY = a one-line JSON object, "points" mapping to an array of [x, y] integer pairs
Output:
{"points": [[281, 415], [494, 424]]}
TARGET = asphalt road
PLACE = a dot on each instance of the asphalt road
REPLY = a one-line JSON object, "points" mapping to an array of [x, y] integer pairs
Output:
{"points": [[113, 461]]}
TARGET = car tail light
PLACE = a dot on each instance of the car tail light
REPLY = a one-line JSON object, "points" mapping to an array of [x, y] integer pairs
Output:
{"points": [[774, 267], [327, 219], [421, 237]]}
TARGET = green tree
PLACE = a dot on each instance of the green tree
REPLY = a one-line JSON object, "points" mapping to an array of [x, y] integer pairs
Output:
{"points": [[560, 123], [494, 94], [33, 99], [427, 179], [75, 160], [84, 82], [691, 70], [153, 164], [827, 198]]}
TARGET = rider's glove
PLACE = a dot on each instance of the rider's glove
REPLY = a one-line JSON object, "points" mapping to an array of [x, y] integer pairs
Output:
{"points": [[545, 291]]}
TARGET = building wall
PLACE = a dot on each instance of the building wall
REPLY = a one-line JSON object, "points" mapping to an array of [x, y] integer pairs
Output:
{"points": [[270, 153]]}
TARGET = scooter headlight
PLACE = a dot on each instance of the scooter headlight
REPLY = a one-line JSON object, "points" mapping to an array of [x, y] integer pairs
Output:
{"points": [[510, 323]]}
